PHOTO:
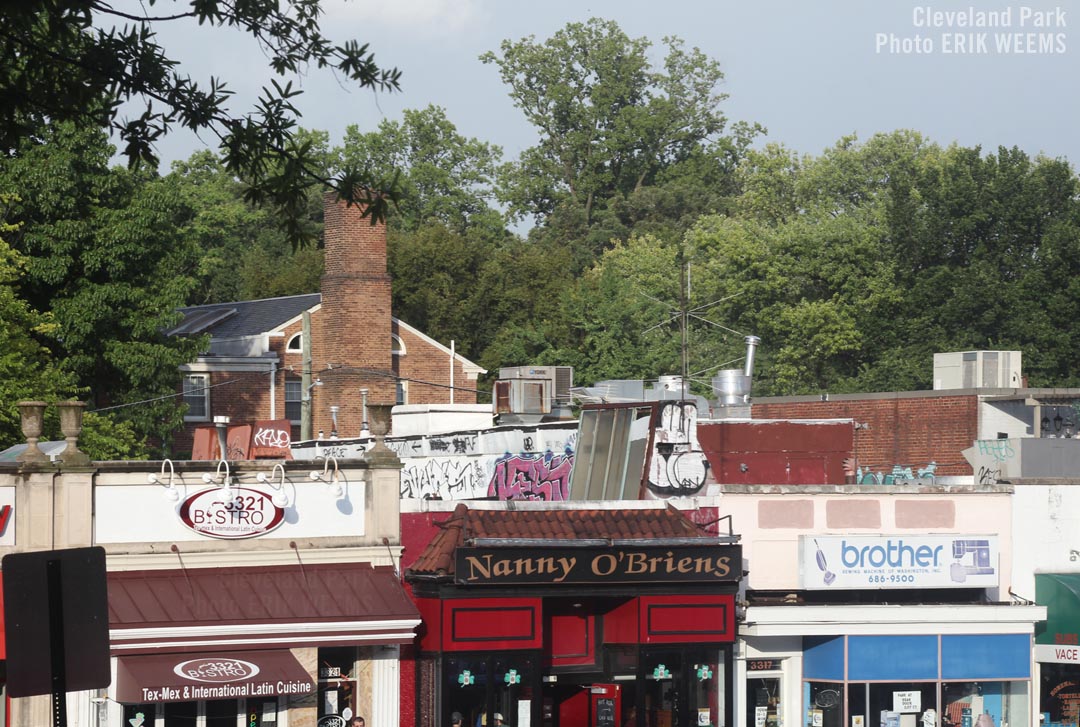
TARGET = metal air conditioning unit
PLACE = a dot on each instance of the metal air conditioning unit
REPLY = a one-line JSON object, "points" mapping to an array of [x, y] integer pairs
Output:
{"points": [[978, 370], [533, 389]]}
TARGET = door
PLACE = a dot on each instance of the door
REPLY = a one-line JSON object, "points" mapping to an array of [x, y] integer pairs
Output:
{"points": [[605, 705]]}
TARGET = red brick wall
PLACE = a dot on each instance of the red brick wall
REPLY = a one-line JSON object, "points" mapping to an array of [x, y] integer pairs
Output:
{"points": [[351, 343], [909, 431]]}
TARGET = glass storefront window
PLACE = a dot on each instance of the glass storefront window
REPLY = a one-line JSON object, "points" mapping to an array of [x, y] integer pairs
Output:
{"points": [[513, 691], [984, 704], [181, 714], [663, 672], [900, 704], [465, 682], [1059, 698], [706, 693], [221, 713], [824, 704]]}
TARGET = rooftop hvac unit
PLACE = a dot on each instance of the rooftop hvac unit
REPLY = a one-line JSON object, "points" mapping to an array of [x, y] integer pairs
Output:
{"points": [[559, 378], [977, 370]]}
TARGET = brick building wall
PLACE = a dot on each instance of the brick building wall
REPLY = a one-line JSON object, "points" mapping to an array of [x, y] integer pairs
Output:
{"points": [[910, 429], [351, 345]]}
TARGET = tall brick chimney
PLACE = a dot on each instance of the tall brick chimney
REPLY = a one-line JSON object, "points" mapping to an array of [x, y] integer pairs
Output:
{"points": [[351, 331]]}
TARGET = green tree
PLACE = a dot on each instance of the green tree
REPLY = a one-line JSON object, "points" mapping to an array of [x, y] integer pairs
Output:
{"points": [[244, 255], [103, 259], [608, 122], [69, 60], [444, 177]]}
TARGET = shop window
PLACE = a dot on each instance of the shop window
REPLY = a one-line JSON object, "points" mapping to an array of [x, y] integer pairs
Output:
{"points": [[221, 713], [824, 704], [1060, 695], [197, 397], [492, 691], [261, 713], [984, 704], [337, 684], [898, 704], [182, 714]]}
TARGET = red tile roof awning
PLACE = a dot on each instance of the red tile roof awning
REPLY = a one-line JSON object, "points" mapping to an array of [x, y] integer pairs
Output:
{"points": [[224, 675], [466, 525], [258, 607]]}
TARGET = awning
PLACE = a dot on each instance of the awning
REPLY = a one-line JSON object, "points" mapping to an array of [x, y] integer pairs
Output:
{"points": [[258, 607], [1057, 640], [225, 675]]}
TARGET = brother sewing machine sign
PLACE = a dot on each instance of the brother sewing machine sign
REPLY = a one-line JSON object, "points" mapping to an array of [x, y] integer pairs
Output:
{"points": [[56, 621]]}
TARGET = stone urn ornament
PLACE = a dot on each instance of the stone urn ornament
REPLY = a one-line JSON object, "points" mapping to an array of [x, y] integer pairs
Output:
{"points": [[71, 416], [32, 417], [378, 419]]}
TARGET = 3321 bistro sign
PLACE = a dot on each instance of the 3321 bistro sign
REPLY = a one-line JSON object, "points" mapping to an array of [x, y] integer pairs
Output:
{"points": [[247, 514], [706, 563]]}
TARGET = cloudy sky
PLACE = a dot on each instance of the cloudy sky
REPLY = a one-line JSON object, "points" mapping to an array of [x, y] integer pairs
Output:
{"points": [[810, 72]]}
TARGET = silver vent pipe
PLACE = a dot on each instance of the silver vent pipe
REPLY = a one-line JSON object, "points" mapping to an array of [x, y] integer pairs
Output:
{"points": [[751, 347]]}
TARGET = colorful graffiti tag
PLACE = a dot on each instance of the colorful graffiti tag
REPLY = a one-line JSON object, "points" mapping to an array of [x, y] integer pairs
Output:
{"points": [[532, 476]]}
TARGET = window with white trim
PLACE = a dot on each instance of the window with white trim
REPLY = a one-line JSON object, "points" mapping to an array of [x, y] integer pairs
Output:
{"points": [[295, 344], [402, 394], [397, 346], [197, 397], [294, 390]]}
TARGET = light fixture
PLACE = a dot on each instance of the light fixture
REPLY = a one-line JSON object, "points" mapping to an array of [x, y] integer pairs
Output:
{"points": [[171, 493], [280, 498], [1057, 420], [211, 479], [333, 481], [1044, 424], [363, 413]]}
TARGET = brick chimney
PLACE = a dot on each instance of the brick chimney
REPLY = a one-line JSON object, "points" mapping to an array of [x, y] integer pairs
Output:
{"points": [[351, 331]]}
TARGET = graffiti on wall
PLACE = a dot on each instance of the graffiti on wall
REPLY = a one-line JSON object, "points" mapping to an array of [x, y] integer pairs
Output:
{"points": [[900, 475], [532, 476], [677, 467], [445, 478]]}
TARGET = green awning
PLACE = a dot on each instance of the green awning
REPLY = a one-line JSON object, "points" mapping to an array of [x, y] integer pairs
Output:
{"points": [[1060, 593]]}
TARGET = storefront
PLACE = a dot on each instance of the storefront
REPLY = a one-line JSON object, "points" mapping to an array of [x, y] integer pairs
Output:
{"points": [[270, 646], [1057, 648], [566, 617], [889, 631]]}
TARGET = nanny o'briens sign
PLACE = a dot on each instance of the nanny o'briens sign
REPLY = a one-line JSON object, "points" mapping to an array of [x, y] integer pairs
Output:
{"points": [[246, 514], [707, 563]]}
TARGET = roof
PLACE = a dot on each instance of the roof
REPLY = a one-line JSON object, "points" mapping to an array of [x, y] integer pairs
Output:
{"points": [[466, 525], [244, 318]]}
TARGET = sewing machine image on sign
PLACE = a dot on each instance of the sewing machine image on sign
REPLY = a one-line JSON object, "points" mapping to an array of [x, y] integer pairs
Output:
{"points": [[972, 558]]}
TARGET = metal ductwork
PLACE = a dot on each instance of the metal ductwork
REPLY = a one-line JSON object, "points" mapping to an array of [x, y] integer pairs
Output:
{"points": [[731, 387]]}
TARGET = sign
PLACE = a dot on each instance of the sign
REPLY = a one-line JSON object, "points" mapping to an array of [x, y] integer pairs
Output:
{"points": [[831, 562], [706, 563], [906, 702], [56, 617], [760, 715], [704, 673], [329, 672], [661, 672], [512, 677], [762, 664], [228, 675], [248, 514], [466, 678], [331, 720]]}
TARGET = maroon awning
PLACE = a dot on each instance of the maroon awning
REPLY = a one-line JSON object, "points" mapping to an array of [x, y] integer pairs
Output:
{"points": [[258, 607], [225, 675]]}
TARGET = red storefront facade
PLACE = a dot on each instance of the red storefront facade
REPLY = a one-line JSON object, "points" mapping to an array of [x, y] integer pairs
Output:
{"points": [[568, 617]]}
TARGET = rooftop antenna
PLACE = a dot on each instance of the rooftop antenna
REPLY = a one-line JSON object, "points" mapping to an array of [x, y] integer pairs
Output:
{"points": [[683, 313]]}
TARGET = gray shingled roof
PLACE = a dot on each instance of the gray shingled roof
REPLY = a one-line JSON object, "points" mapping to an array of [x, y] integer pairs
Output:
{"points": [[244, 318]]}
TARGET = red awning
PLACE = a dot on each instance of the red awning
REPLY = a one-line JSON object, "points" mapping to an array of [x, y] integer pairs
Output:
{"points": [[227, 675], [258, 607]]}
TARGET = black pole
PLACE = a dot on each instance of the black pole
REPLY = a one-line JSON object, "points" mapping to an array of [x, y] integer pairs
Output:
{"points": [[56, 644]]}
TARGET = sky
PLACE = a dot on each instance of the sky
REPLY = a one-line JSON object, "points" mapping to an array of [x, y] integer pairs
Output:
{"points": [[809, 72]]}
